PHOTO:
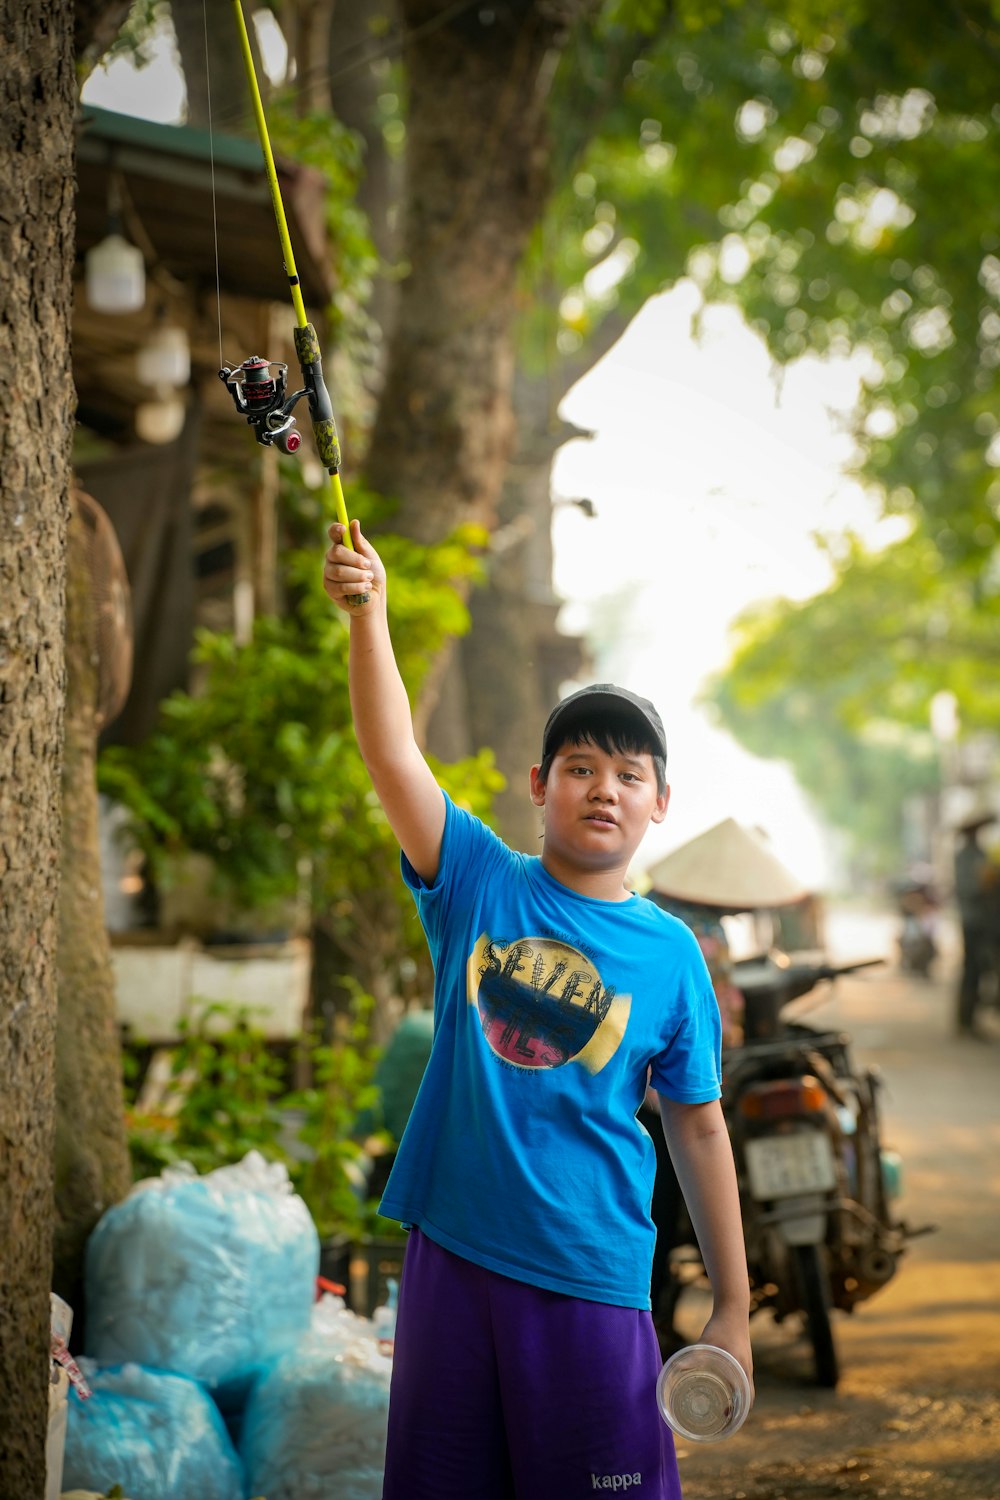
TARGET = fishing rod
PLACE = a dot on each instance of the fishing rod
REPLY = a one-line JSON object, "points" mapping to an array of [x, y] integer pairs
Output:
{"points": [[257, 394]]}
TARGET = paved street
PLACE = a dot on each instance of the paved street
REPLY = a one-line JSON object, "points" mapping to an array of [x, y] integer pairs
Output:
{"points": [[917, 1412]]}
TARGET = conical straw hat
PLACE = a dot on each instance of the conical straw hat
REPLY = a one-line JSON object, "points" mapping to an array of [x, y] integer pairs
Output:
{"points": [[727, 867], [979, 815]]}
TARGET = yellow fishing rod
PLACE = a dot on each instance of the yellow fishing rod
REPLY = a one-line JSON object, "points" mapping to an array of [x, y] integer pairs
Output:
{"points": [[259, 395]]}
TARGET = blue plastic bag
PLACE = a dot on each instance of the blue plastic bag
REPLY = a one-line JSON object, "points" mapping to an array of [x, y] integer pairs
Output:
{"points": [[315, 1423], [159, 1436], [211, 1277]]}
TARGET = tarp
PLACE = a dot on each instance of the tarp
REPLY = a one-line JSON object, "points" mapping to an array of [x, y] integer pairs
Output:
{"points": [[727, 867]]}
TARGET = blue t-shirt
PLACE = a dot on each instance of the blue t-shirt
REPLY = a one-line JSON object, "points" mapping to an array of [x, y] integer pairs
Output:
{"points": [[522, 1152]]}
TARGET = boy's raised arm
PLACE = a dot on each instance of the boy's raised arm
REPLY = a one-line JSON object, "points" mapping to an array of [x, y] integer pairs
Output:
{"points": [[403, 781]]}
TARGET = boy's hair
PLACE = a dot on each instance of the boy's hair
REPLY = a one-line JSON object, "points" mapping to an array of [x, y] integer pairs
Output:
{"points": [[609, 730]]}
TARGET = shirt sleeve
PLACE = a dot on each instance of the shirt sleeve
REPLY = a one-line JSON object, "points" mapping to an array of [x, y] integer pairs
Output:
{"points": [[689, 1068], [469, 851]]}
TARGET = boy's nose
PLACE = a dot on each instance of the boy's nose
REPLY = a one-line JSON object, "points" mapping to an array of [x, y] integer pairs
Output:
{"points": [[605, 788]]}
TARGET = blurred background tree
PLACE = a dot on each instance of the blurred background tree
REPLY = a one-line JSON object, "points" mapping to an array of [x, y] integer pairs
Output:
{"points": [[867, 220], [508, 186], [828, 168], [259, 772], [833, 172]]}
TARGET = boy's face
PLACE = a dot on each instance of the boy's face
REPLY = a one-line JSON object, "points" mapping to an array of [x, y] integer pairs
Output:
{"points": [[598, 804]]}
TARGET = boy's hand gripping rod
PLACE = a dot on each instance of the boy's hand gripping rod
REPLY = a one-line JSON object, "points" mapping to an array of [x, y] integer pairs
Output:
{"points": [[258, 395]]}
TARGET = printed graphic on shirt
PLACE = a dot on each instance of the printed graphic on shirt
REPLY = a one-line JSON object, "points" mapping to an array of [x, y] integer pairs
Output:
{"points": [[542, 1003]]}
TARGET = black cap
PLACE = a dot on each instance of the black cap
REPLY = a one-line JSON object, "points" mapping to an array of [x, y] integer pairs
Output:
{"points": [[607, 698]]}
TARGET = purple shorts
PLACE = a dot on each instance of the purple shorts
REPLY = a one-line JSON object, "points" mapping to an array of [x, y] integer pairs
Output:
{"points": [[504, 1391]]}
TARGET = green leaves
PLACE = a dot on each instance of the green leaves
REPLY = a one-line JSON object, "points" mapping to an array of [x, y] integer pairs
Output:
{"points": [[222, 1099], [880, 236], [328, 1174], [841, 685], [318, 139], [833, 172], [227, 1094], [832, 169], [260, 770]]}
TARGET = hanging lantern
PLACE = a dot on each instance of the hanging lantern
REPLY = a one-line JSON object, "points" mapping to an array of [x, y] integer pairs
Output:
{"points": [[160, 421], [165, 358], [115, 276]]}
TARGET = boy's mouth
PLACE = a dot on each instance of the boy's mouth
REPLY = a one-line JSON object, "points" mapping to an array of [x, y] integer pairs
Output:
{"points": [[602, 817]]}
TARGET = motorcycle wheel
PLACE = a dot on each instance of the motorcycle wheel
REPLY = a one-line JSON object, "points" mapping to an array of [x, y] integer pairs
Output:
{"points": [[814, 1287]]}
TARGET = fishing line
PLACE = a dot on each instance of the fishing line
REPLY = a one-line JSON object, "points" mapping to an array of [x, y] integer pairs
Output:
{"points": [[259, 395], [390, 47], [211, 158]]}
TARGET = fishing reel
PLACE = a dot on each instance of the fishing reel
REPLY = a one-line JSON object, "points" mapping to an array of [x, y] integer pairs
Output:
{"points": [[260, 397]]}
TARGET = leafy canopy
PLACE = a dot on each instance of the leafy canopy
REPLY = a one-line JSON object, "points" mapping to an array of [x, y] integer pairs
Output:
{"points": [[832, 170]]}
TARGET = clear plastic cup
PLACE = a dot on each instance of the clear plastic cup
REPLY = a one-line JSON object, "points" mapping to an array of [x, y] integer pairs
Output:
{"points": [[703, 1393]]}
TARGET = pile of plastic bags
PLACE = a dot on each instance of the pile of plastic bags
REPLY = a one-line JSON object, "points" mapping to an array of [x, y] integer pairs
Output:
{"points": [[154, 1433], [315, 1424], [213, 1370], [207, 1276]]}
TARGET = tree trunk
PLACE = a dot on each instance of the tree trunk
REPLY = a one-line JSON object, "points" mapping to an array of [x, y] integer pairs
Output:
{"points": [[37, 102], [357, 75], [228, 84], [309, 44], [95, 23], [477, 157], [507, 672], [91, 1152]]}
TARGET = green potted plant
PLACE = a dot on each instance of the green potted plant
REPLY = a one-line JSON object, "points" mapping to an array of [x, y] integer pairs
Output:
{"points": [[253, 788], [227, 1094]]}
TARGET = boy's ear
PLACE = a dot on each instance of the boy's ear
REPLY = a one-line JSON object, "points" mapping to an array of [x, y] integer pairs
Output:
{"points": [[537, 787], [660, 810]]}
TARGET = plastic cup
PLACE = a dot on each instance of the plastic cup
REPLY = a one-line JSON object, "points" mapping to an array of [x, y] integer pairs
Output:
{"points": [[703, 1393]]}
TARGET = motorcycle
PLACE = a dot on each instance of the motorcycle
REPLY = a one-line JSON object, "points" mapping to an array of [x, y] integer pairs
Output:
{"points": [[817, 1187], [918, 913]]}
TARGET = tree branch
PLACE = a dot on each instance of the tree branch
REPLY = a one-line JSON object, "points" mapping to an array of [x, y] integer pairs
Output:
{"points": [[96, 23]]}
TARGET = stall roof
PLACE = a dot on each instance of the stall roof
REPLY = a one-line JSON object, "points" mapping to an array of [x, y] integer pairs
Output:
{"points": [[167, 175]]}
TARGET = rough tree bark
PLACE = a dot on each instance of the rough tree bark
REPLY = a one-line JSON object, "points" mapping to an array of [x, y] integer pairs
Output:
{"points": [[477, 156], [37, 99], [507, 672], [92, 1168]]}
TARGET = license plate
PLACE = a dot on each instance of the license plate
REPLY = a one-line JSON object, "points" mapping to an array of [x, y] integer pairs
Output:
{"points": [[781, 1166]]}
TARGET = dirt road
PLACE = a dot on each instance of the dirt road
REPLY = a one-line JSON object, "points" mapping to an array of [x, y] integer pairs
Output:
{"points": [[917, 1411]]}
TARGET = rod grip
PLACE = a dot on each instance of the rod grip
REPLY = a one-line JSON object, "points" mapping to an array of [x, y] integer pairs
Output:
{"points": [[341, 509]]}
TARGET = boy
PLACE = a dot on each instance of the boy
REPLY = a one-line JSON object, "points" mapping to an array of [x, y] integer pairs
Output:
{"points": [[525, 1358]]}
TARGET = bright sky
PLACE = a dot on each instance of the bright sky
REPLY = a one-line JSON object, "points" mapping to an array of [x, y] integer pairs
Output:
{"points": [[710, 482], [155, 92]]}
